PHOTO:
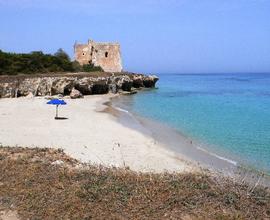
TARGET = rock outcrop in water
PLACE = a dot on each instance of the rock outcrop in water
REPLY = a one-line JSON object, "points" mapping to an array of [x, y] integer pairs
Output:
{"points": [[73, 84]]}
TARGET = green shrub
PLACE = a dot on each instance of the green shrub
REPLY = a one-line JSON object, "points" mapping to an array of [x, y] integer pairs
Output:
{"points": [[91, 68], [38, 62], [76, 66]]}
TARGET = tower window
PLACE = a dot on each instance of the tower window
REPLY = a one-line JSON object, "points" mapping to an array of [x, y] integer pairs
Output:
{"points": [[106, 54]]}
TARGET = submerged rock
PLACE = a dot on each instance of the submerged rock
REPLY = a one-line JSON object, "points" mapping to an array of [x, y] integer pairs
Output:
{"points": [[128, 93]]}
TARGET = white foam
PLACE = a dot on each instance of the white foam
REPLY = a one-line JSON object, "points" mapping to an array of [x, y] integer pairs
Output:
{"points": [[125, 111], [122, 110], [219, 157]]}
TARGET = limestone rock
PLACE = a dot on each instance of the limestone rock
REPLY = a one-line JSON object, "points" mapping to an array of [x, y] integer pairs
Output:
{"points": [[53, 86], [84, 85], [44, 87], [123, 82], [7, 91], [138, 81], [75, 94], [59, 96], [62, 85], [150, 81], [24, 89], [113, 88], [100, 88], [30, 95]]}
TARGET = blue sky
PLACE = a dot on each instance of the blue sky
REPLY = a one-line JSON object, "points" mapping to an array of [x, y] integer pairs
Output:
{"points": [[159, 36]]}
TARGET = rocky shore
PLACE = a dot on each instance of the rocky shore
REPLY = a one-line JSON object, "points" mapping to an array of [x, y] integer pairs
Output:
{"points": [[75, 85]]}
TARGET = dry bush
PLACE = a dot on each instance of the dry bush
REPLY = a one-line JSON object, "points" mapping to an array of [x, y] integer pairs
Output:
{"points": [[40, 188]]}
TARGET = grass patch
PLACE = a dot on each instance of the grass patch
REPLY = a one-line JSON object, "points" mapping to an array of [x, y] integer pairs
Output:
{"points": [[47, 184]]}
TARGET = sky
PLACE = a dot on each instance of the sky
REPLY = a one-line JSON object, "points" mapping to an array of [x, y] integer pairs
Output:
{"points": [[156, 36]]}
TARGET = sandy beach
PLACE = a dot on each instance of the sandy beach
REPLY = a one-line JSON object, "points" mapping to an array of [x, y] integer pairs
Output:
{"points": [[89, 134]]}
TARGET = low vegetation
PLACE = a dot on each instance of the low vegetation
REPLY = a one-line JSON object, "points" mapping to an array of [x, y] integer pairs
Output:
{"points": [[47, 184], [38, 62]]}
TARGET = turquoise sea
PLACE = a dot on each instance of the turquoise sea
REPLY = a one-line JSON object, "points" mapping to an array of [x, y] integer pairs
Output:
{"points": [[228, 113]]}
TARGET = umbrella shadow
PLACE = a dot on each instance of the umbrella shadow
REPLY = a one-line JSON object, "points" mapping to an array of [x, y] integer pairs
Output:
{"points": [[60, 118]]}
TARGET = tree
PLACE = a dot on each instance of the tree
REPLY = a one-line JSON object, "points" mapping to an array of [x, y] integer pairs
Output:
{"points": [[38, 62], [62, 54], [76, 66]]}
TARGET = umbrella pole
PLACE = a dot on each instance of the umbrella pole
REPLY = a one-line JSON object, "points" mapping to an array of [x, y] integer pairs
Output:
{"points": [[56, 111]]}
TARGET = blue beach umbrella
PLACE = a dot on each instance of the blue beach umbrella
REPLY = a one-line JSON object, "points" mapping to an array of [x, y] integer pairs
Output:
{"points": [[56, 102]]}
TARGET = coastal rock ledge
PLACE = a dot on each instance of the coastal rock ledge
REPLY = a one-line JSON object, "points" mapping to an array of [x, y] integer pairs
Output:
{"points": [[69, 83]]}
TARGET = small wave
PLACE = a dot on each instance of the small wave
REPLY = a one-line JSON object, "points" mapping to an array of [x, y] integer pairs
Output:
{"points": [[219, 157], [121, 110]]}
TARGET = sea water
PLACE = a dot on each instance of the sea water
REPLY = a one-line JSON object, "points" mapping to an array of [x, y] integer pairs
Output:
{"points": [[228, 113]]}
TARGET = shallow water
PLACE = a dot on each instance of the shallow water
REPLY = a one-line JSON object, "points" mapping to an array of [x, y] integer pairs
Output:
{"points": [[229, 114]]}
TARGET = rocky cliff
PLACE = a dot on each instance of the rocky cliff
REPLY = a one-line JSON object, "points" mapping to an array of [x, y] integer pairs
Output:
{"points": [[74, 84]]}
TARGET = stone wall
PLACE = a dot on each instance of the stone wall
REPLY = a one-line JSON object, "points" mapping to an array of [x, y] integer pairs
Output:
{"points": [[82, 53], [106, 55]]}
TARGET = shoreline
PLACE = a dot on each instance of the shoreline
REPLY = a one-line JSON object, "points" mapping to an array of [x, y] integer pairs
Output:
{"points": [[123, 139], [88, 134], [190, 149]]}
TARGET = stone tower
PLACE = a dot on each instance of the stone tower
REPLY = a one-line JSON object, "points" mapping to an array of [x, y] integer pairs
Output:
{"points": [[105, 55]]}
